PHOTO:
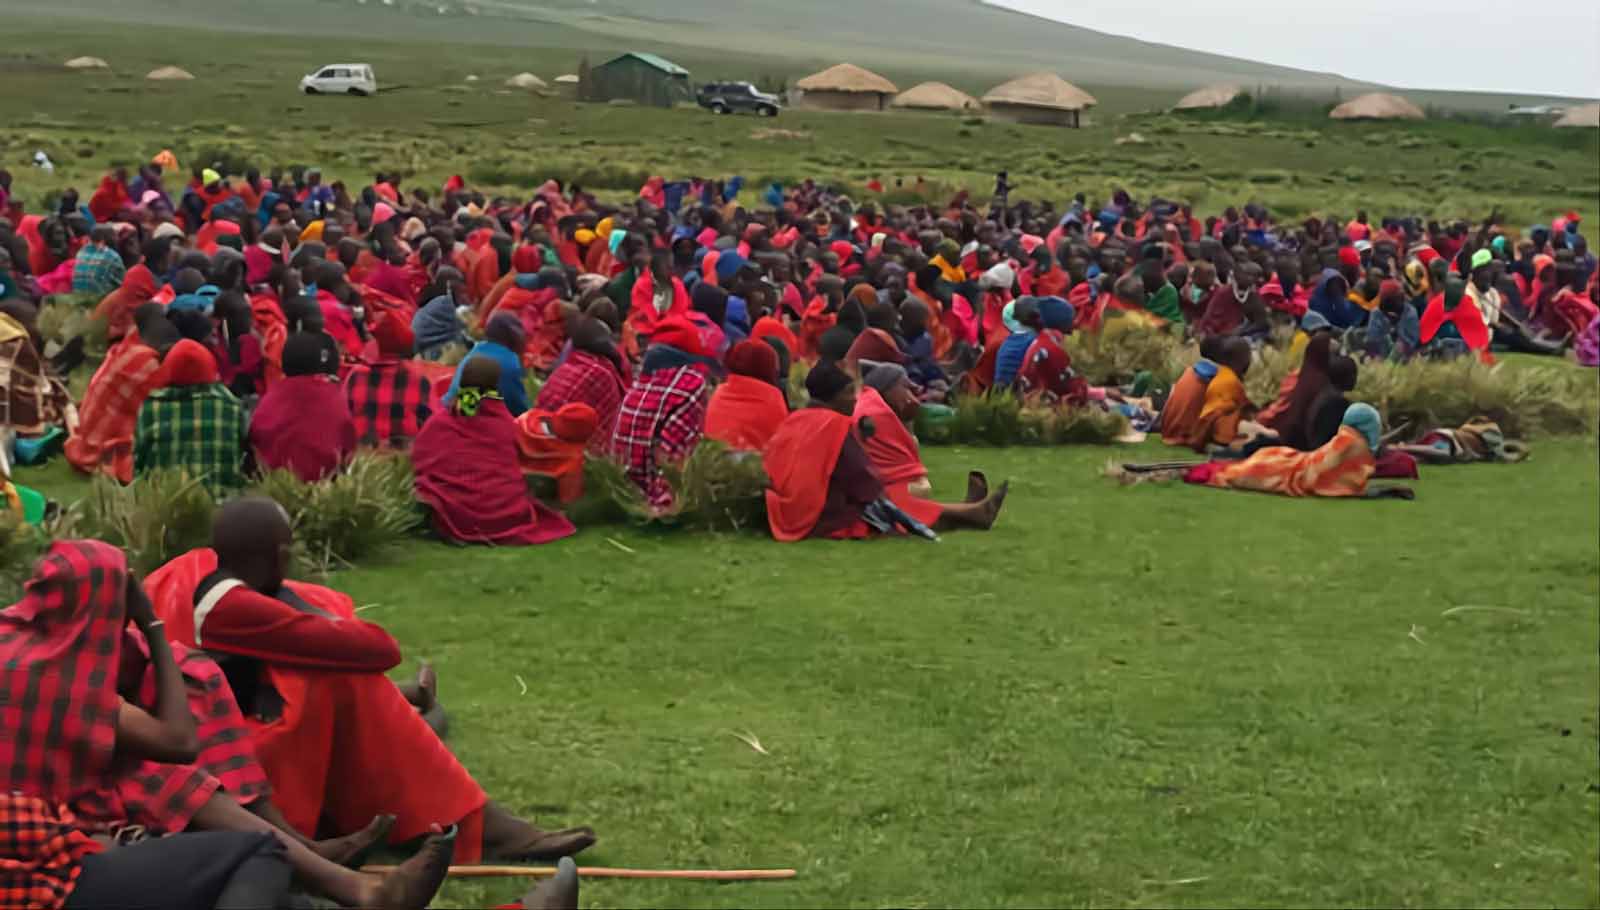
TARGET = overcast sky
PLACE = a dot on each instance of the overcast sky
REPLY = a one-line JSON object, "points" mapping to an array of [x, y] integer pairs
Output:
{"points": [[1537, 47]]}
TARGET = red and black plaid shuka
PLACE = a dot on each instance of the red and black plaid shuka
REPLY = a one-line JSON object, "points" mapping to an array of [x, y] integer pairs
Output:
{"points": [[389, 402], [41, 852], [660, 422], [62, 652], [591, 379]]}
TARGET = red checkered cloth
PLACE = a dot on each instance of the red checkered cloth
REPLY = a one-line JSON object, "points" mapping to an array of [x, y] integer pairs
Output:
{"points": [[41, 852], [661, 420], [61, 650], [591, 379], [389, 401]]}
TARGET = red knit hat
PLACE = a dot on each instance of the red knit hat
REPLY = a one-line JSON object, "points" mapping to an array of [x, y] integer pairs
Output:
{"points": [[755, 359], [574, 422], [189, 363], [680, 333], [1349, 258]]}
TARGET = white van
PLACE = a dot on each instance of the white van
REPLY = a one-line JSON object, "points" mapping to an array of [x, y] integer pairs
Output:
{"points": [[341, 79]]}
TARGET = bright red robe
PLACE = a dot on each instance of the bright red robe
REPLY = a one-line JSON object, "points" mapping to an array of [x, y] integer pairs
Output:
{"points": [[745, 413], [348, 746]]}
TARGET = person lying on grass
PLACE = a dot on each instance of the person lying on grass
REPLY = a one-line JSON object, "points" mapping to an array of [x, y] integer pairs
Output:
{"points": [[822, 482], [90, 767], [339, 741]]}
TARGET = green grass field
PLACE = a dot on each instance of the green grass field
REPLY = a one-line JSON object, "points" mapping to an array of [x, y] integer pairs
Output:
{"points": [[1119, 697]]}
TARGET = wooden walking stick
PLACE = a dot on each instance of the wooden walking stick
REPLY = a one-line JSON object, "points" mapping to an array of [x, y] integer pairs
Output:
{"points": [[706, 875]]}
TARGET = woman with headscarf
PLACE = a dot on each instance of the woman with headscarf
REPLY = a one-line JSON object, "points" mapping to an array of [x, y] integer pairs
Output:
{"points": [[468, 473], [1331, 301], [139, 287], [303, 423], [593, 374], [1341, 468], [436, 325], [1223, 411], [747, 409]]}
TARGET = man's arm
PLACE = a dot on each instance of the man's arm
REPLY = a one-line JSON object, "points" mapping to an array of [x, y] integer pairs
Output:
{"points": [[168, 735], [243, 622]]}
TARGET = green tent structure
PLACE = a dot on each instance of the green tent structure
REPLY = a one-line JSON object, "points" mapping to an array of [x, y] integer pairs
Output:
{"points": [[640, 78]]}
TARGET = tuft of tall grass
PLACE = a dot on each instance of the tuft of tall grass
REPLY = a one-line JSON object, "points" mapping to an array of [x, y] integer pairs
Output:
{"points": [[21, 545], [350, 516], [714, 489], [160, 515]]}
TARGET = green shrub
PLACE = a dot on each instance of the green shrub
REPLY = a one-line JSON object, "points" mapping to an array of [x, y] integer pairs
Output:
{"points": [[21, 545], [1121, 349], [67, 316], [1525, 402], [1070, 426], [162, 514], [350, 516], [990, 419]]}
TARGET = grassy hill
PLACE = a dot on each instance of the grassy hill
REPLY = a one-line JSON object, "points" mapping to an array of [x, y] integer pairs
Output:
{"points": [[966, 43]]}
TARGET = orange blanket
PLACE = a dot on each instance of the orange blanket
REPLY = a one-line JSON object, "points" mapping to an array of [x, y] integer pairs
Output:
{"points": [[1340, 468], [1224, 407], [104, 441], [892, 448], [745, 413], [1182, 411], [799, 461]]}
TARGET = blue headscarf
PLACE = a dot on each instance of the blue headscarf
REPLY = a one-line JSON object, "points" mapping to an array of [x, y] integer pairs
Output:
{"points": [[1334, 306], [774, 196], [1364, 417], [1056, 313], [436, 325], [203, 300]]}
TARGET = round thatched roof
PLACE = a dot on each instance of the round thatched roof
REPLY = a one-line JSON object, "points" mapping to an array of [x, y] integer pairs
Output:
{"points": [[167, 73], [846, 77], [1041, 90], [1208, 97], [934, 96], [526, 81], [1378, 106], [87, 63], [568, 79], [1586, 116]]}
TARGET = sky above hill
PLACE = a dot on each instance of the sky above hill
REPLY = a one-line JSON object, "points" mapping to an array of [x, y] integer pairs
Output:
{"points": [[1535, 48]]}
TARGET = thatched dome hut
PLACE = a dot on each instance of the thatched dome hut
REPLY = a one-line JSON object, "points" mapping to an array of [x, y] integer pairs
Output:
{"points": [[1039, 98], [86, 63], [169, 74], [1580, 117], [1212, 96], [934, 96], [1377, 106], [845, 87], [526, 82]]}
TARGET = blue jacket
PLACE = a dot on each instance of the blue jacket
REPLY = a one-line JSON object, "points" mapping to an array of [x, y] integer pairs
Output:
{"points": [[511, 387]]}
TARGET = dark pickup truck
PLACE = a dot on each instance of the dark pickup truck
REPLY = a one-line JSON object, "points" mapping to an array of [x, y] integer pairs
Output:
{"points": [[727, 97]]}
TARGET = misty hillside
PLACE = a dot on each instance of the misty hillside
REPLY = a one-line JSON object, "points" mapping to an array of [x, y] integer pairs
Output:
{"points": [[972, 42]]}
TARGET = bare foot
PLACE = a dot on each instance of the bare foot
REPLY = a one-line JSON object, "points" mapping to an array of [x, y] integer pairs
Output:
{"points": [[558, 893], [977, 487], [349, 849], [414, 882]]}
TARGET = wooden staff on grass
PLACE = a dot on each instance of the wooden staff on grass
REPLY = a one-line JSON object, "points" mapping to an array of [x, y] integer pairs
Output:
{"points": [[705, 875]]}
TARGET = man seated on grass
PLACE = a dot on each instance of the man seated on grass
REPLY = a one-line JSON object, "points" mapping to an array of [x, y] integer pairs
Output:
{"points": [[335, 735], [821, 481], [158, 749]]}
